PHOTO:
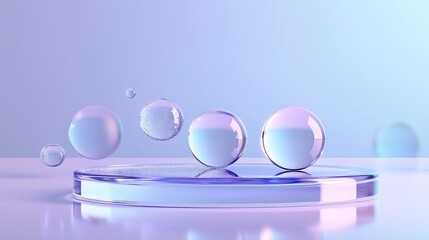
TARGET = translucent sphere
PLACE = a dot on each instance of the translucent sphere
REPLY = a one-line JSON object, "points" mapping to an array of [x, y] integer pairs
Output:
{"points": [[130, 92], [95, 132], [161, 119], [397, 140], [217, 138], [293, 138], [52, 155]]}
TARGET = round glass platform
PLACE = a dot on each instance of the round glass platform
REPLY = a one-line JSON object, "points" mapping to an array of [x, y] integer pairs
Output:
{"points": [[239, 185]]}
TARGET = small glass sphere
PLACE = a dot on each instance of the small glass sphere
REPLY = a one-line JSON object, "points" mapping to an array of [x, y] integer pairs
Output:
{"points": [[397, 140], [130, 92], [161, 119], [293, 138], [52, 155], [95, 132], [217, 138]]}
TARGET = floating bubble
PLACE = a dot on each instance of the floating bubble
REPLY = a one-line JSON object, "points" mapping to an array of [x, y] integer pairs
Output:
{"points": [[52, 155], [95, 132], [397, 140], [293, 138], [217, 138], [130, 92], [161, 119]]}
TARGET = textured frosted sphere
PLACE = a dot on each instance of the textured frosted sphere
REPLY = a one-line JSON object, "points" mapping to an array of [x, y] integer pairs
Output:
{"points": [[397, 140], [161, 119], [52, 155], [217, 138], [95, 132], [293, 138]]}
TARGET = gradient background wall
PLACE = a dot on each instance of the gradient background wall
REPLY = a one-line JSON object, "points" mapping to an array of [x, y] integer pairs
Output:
{"points": [[358, 65]]}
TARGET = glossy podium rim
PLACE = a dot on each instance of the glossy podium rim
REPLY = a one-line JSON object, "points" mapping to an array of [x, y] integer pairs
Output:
{"points": [[240, 185]]}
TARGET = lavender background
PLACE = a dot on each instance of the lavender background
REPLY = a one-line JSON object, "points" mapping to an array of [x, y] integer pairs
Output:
{"points": [[356, 64]]}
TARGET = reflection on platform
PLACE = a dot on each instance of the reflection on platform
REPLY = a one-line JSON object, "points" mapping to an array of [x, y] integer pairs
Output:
{"points": [[245, 223]]}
